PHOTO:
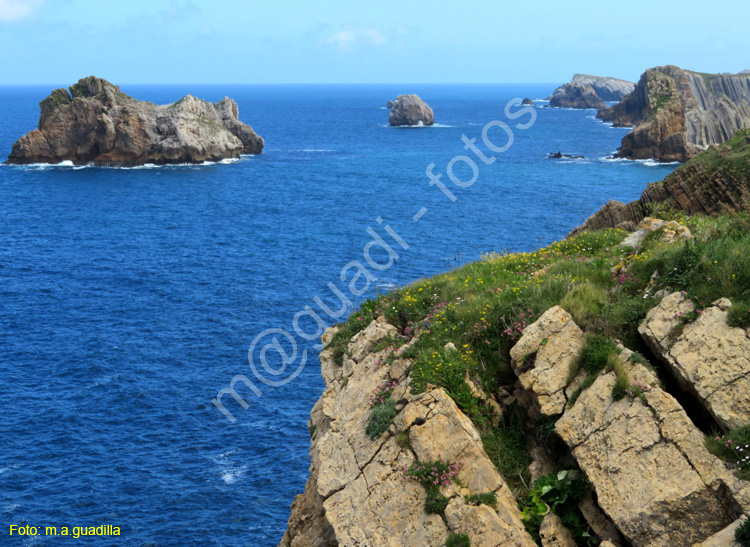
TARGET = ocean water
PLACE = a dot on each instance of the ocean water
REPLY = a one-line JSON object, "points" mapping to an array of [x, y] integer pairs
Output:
{"points": [[129, 297]]}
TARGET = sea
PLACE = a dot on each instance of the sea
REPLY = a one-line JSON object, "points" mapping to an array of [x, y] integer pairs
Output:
{"points": [[130, 297]]}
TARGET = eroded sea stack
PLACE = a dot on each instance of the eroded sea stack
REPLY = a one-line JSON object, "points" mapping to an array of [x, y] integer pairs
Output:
{"points": [[94, 122], [410, 110], [677, 113]]}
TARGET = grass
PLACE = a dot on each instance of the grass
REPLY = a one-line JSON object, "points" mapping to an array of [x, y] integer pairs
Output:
{"points": [[486, 498], [739, 314]]}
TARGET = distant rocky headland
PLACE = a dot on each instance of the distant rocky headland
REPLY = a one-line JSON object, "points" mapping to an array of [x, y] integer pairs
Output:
{"points": [[714, 182], [410, 110], [585, 91], [678, 113], [95, 122]]}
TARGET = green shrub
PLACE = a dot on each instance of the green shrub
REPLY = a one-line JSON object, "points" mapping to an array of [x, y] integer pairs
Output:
{"points": [[560, 494], [739, 314], [742, 533], [485, 498], [458, 540], [381, 417], [435, 503]]}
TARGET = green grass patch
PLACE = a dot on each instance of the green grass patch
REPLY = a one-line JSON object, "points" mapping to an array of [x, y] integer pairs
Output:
{"points": [[739, 314], [486, 498]]}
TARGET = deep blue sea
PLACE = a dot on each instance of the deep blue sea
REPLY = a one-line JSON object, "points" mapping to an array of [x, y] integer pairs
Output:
{"points": [[129, 297]]}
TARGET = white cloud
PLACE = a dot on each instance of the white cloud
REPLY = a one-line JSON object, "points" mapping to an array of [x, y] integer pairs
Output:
{"points": [[13, 10], [350, 37]]}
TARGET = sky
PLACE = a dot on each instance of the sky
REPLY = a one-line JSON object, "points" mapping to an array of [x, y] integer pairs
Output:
{"points": [[350, 41]]}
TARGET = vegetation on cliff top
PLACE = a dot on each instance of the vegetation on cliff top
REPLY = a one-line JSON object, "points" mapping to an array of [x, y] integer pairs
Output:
{"points": [[462, 324]]}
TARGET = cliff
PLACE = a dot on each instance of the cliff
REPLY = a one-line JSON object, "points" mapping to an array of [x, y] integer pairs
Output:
{"points": [[677, 113], [94, 122], [715, 181], [494, 405]]}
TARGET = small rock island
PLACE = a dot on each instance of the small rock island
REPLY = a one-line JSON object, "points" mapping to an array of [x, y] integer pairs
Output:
{"points": [[410, 110], [96, 123]]}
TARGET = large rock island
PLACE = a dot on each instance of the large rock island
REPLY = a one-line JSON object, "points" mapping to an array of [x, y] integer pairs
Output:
{"points": [[678, 113], [97, 123], [410, 110]]}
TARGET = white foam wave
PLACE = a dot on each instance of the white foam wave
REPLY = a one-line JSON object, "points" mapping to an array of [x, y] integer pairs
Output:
{"points": [[232, 475], [420, 125], [652, 163], [70, 165], [10, 507]]}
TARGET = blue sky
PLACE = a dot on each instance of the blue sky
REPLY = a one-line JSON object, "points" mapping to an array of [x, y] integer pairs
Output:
{"points": [[335, 41]]}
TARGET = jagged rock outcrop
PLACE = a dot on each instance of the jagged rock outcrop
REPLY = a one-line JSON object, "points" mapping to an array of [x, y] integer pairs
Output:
{"points": [[96, 123], [709, 359], [646, 460], [716, 181], [678, 113], [576, 96], [356, 494], [609, 89], [647, 463], [671, 231], [543, 368], [410, 110], [527, 101]]}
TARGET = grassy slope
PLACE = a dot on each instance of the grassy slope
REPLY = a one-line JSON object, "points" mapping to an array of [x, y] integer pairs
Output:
{"points": [[482, 308]]}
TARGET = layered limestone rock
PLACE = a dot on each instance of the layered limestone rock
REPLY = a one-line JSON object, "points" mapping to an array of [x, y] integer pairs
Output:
{"points": [[716, 181], [96, 123], [609, 89], [678, 113], [356, 495], [541, 358], [576, 96], [647, 463], [708, 358], [410, 110]]}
